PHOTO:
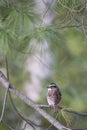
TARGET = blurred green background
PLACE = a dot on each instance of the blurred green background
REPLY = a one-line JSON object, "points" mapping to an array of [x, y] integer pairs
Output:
{"points": [[44, 41]]}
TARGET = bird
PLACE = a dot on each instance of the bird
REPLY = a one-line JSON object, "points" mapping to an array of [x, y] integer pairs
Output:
{"points": [[53, 96]]}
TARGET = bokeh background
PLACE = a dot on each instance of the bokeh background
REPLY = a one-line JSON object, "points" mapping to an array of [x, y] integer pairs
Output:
{"points": [[44, 41]]}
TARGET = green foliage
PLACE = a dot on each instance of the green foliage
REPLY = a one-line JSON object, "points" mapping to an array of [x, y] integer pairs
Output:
{"points": [[20, 24]]}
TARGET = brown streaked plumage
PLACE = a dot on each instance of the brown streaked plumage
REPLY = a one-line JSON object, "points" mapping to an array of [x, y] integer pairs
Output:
{"points": [[53, 96]]}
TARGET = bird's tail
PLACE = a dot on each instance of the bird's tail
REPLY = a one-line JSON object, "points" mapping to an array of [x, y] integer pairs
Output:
{"points": [[55, 108]]}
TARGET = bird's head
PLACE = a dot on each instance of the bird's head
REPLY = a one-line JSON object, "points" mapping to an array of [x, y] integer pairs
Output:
{"points": [[52, 86]]}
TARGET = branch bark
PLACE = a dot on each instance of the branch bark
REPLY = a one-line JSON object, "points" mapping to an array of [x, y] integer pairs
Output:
{"points": [[30, 103]]}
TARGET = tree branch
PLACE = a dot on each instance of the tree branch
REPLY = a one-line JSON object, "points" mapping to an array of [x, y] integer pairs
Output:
{"points": [[30, 103], [65, 109]]}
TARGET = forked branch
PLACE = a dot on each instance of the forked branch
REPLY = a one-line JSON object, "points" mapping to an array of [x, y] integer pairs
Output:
{"points": [[30, 103]]}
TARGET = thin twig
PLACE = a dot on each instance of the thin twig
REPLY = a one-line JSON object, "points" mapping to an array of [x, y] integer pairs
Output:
{"points": [[7, 70], [65, 109], [18, 124], [22, 117], [4, 104], [74, 112], [25, 126]]}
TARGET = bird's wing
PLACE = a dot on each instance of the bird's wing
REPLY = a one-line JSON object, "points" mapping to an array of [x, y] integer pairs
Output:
{"points": [[56, 96]]}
